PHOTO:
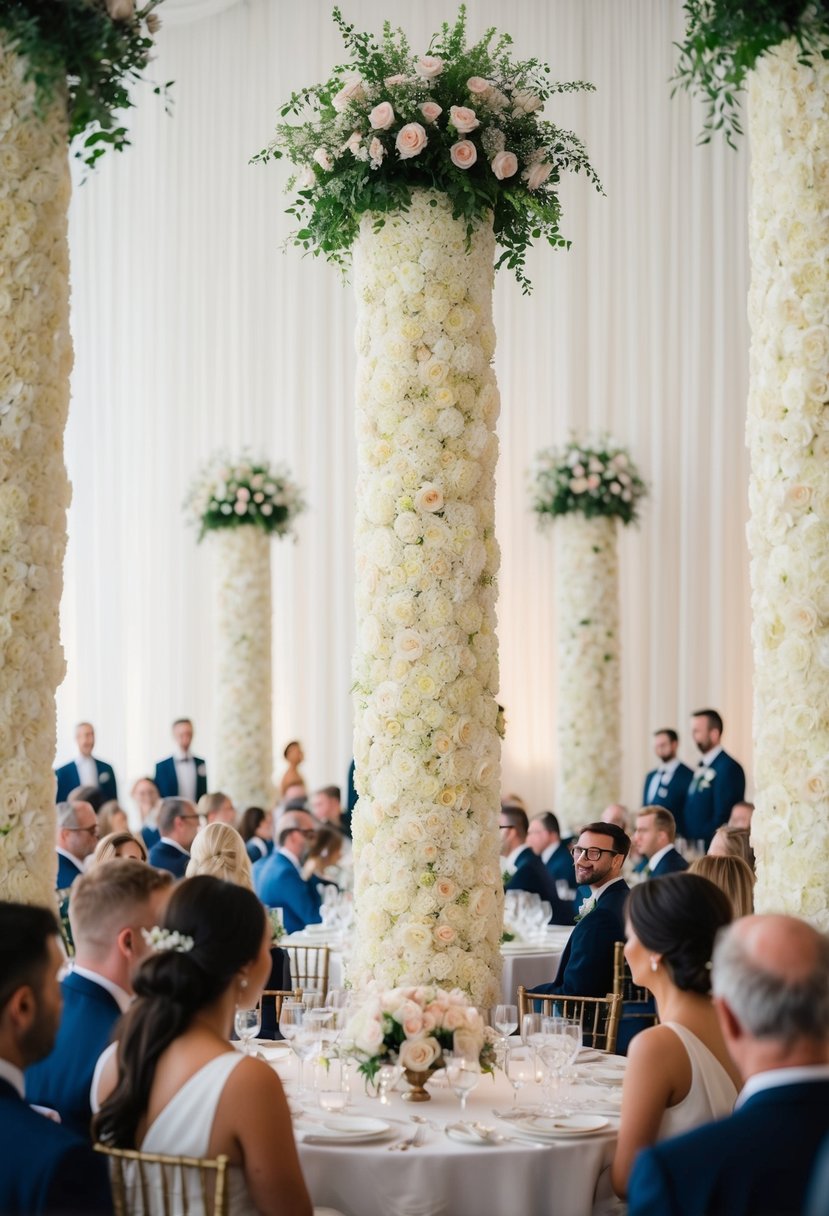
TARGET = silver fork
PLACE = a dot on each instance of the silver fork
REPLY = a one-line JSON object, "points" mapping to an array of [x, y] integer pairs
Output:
{"points": [[413, 1141]]}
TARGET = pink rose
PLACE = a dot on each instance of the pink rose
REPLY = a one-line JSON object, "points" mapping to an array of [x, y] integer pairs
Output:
{"points": [[411, 140], [390, 81], [431, 110], [382, 116], [352, 144], [445, 934], [376, 152], [428, 67], [463, 154], [352, 90], [323, 160], [504, 164], [454, 1018], [537, 175], [463, 119], [477, 84], [121, 10]]}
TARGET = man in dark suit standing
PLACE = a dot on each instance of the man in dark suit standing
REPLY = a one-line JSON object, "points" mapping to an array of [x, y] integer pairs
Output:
{"points": [[667, 784], [44, 1167], [86, 769], [526, 870], [654, 838], [108, 908], [586, 967], [178, 823], [182, 775], [771, 988], [718, 783]]}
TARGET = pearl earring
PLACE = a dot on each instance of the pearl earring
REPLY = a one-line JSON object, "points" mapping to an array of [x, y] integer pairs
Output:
{"points": [[654, 965], [243, 983]]}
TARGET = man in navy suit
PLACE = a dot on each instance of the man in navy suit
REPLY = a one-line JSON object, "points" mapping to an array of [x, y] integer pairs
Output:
{"points": [[667, 784], [178, 823], [544, 838], [182, 775], [718, 783], [86, 769], [771, 989], [77, 836], [526, 870], [654, 838], [586, 967], [108, 908], [278, 878], [44, 1167]]}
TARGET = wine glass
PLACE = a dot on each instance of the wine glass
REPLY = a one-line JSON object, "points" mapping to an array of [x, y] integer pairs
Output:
{"points": [[520, 1070], [387, 1077], [463, 1069], [290, 1021], [506, 1019], [560, 1042], [247, 1023]]}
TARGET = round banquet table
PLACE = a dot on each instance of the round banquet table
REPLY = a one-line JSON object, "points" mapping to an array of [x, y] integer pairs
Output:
{"points": [[443, 1177]]}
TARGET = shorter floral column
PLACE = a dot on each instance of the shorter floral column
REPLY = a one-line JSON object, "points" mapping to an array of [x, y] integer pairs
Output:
{"points": [[242, 505], [587, 489]]}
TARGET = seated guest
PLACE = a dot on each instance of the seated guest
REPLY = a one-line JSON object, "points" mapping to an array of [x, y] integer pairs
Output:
{"points": [[616, 813], [741, 813], [182, 775], [86, 769], [654, 839], [77, 835], [771, 988], [667, 784], [732, 842], [527, 871], [733, 876], [146, 797], [278, 878], [586, 967], [45, 1168], [178, 823], [217, 808], [679, 1074], [175, 1068], [219, 851], [120, 844], [294, 756], [322, 863], [112, 818], [717, 784], [108, 908], [87, 793], [544, 838], [325, 807], [256, 829]]}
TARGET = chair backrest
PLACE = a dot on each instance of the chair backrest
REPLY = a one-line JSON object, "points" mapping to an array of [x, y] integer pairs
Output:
{"points": [[155, 1184], [309, 967], [631, 994], [277, 995], [599, 1015]]}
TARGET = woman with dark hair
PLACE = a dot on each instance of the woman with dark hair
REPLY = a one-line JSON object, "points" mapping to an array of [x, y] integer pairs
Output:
{"points": [[174, 1084], [679, 1074], [256, 829]]}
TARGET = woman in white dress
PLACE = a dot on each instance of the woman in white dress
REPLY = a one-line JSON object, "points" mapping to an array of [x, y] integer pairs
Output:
{"points": [[679, 1074], [174, 1084]]}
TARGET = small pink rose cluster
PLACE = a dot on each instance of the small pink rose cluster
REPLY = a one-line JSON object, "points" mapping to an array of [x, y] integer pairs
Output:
{"points": [[429, 1019]]}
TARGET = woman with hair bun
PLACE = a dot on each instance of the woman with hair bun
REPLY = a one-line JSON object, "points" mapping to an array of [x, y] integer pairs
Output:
{"points": [[679, 1073], [174, 1084]]}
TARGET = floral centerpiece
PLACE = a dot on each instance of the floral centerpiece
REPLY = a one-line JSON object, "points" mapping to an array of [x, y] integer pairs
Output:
{"points": [[586, 488], [241, 504], [463, 121], [413, 1027]]}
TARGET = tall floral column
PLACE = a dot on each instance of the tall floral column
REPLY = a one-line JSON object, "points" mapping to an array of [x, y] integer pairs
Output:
{"points": [[35, 360], [241, 506], [426, 166], [788, 435], [587, 490]]}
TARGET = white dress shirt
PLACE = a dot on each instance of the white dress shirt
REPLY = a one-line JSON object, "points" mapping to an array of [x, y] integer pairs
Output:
{"points": [[654, 861], [291, 857], [87, 770], [662, 776], [186, 775], [9, 1072], [548, 852], [508, 863]]}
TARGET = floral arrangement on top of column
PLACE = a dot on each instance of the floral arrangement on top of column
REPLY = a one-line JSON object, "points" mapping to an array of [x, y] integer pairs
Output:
{"points": [[63, 69], [587, 488], [779, 54], [424, 164], [241, 504]]}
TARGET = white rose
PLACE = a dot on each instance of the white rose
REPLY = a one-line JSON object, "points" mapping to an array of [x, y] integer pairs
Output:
{"points": [[419, 1054], [428, 67]]}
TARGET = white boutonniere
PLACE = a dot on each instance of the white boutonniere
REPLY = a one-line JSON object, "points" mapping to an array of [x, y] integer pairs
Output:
{"points": [[201, 769], [586, 909], [103, 777], [705, 778]]}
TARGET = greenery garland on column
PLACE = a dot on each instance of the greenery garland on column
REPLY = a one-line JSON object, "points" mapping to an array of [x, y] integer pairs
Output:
{"points": [[242, 504], [778, 50], [587, 488], [426, 163], [64, 71]]}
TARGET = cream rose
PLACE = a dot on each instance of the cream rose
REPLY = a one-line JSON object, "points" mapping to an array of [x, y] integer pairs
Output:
{"points": [[504, 164], [418, 1055], [381, 117], [428, 67], [477, 85], [463, 154], [352, 90], [431, 111], [411, 140], [463, 119], [429, 498], [323, 159]]}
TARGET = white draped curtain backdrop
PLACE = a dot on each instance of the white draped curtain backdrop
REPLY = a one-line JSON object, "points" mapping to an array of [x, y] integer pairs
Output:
{"points": [[194, 329]]}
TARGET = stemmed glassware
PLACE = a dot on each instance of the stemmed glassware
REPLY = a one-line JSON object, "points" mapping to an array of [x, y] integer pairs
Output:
{"points": [[506, 1020], [247, 1023], [463, 1069], [559, 1045], [520, 1069], [296, 1030]]}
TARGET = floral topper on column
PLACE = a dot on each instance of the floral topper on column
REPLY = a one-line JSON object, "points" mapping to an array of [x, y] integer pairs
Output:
{"points": [[245, 492], [461, 121], [593, 479]]}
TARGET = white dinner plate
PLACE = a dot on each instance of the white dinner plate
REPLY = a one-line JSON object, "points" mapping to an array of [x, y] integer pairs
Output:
{"points": [[465, 1135], [554, 1127], [605, 1076], [341, 1129]]}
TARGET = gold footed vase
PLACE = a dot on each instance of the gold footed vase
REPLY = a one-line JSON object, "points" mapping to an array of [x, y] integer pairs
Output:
{"points": [[417, 1078]]}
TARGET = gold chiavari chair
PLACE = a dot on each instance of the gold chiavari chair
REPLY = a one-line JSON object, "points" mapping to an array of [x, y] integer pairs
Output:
{"points": [[278, 995], [155, 1184], [309, 967], [599, 1015], [631, 994]]}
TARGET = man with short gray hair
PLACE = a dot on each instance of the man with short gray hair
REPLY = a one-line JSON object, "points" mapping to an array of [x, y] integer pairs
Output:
{"points": [[77, 836], [178, 823], [771, 989], [278, 879]]}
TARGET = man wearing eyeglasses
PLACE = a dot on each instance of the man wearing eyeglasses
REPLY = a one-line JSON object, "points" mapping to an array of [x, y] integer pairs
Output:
{"points": [[178, 822], [279, 880], [586, 967], [77, 837]]}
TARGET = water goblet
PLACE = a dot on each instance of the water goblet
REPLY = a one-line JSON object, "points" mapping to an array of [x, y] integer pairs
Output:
{"points": [[506, 1020], [463, 1069], [247, 1023], [520, 1069], [560, 1042], [387, 1077]]}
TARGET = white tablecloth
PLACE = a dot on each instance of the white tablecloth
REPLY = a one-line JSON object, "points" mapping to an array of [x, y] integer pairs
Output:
{"points": [[447, 1178]]}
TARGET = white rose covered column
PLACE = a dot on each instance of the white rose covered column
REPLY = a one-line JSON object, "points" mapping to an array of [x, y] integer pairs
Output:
{"points": [[588, 697], [244, 768], [35, 361], [788, 436], [428, 894]]}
